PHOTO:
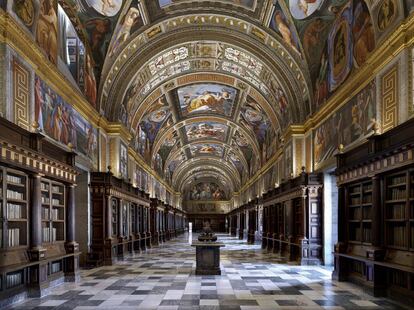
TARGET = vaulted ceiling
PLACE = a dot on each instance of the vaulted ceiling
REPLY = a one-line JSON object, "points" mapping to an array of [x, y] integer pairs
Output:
{"points": [[207, 87]]}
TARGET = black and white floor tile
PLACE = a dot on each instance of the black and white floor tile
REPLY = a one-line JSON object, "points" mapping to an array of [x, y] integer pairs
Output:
{"points": [[163, 278]]}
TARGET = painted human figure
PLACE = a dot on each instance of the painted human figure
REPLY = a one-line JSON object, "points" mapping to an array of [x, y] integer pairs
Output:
{"points": [[46, 33], [124, 28]]}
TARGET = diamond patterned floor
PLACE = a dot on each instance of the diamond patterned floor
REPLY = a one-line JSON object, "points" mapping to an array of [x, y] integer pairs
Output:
{"points": [[163, 278]]}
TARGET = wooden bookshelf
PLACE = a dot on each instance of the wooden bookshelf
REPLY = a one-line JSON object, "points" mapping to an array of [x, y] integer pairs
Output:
{"points": [[53, 211], [293, 219], [123, 219], [359, 212], [376, 211], [30, 168]]}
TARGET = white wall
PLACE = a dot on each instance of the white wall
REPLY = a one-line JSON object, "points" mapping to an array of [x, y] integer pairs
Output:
{"points": [[330, 217]]}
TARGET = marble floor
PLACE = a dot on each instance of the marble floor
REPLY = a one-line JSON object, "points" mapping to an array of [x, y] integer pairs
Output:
{"points": [[163, 278]]}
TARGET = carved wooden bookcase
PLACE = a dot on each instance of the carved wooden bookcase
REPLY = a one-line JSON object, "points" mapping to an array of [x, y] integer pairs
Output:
{"points": [[292, 219], [120, 219], [376, 214], [37, 214]]}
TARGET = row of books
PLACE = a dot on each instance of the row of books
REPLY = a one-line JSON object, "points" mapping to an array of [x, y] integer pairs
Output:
{"points": [[396, 212], [14, 179], [367, 187], [367, 213], [397, 236], [355, 201], [56, 202], [367, 199], [14, 236], [44, 186], [14, 195], [396, 194], [57, 189], [45, 200], [357, 267], [14, 279], [398, 278], [397, 180], [366, 234], [412, 237], [54, 214], [355, 213], [14, 211], [56, 267], [46, 234]]}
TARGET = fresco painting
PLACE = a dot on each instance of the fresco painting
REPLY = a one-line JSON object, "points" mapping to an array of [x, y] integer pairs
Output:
{"points": [[58, 120], [128, 24], [349, 43], [387, 13], [206, 98], [206, 130], [255, 119], [46, 30], [351, 123], [235, 159], [243, 144], [363, 33], [301, 9], [248, 4], [26, 11], [340, 48], [157, 115], [284, 27], [105, 7], [207, 149], [206, 191], [123, 160]]}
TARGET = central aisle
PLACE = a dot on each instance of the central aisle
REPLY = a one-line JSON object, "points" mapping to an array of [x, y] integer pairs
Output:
{"points": [[163, 278]]}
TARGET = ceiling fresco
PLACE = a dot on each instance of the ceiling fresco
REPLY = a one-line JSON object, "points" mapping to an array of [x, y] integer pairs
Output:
{"points": [[206, 149], [216, 102], [206, 98], [206, 130], [248, 4]]}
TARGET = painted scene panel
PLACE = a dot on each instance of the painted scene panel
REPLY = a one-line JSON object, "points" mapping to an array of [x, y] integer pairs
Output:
{"points": [[206, 98], [58, 120]]}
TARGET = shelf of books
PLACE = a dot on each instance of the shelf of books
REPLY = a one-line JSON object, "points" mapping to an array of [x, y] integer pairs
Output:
{"points": [[376, 214], [53, 211], [35, 175], [15, 229], [359, 210]]}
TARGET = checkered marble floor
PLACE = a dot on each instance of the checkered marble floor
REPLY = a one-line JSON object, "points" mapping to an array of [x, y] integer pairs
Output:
{"points": [[163, 278]]}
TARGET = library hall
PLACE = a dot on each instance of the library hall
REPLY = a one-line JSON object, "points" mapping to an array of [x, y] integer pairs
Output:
{"points": [[206, 154]]}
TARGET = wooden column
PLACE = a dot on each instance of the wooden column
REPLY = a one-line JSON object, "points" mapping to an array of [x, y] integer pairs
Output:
{"points": [[37, 252]]}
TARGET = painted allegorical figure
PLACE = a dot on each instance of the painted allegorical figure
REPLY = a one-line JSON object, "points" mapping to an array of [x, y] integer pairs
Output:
{"points": [[124, 28], [90, 81], [46, 32], [363, 31], [281, 25]]}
